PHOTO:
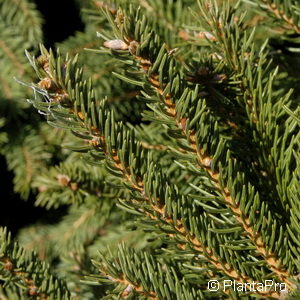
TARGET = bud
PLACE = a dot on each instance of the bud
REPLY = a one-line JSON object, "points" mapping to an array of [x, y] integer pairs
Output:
{"points": [[63, 179], [116, 45]]}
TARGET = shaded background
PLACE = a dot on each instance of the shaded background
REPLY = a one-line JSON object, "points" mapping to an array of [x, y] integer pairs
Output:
{"points": [[61, 20]]}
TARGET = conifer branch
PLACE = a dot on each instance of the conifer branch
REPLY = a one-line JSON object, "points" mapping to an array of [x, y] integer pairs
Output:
{"points": [[195, 139], [157, 13], [136, 183], [180, 228], [102, 4], [224, 36], [245, 222], [135, 277], [221, 28], [37, 282], [32, 24], [73, 101], [139, 289], [280, 14], [98, 140], [204, 161], [11, 55], [23, 277]]}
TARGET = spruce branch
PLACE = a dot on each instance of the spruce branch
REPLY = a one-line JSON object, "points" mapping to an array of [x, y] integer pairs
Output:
{"points": [[35, 281], [220, 25], [100, 142], [281, 13], [74, 233], [23, 15], [25, 158], [203, 159], [102, 4], [97, 137], [13, 293], [133, 278], [11, 55], [71, 183], [129, 287], [71, 104]]}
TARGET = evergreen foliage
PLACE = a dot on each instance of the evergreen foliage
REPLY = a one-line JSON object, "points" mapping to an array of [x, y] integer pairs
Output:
{"points": [[24, 271], [172, 142]]}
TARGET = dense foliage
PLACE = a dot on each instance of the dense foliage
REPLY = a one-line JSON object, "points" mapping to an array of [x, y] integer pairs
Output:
{"points": [[172, 142]]}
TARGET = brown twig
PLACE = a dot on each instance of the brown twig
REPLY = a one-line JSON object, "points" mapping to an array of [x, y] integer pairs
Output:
{"points": [[282, 16], [203, 160]]}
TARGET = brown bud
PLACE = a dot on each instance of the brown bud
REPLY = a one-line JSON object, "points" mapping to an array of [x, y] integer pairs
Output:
{"points": [[184, 35], [206, 162], [63, 179], [61, 97], [80, 115], [8, 265], [46, 83], [95, 142], [74, 186]]}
